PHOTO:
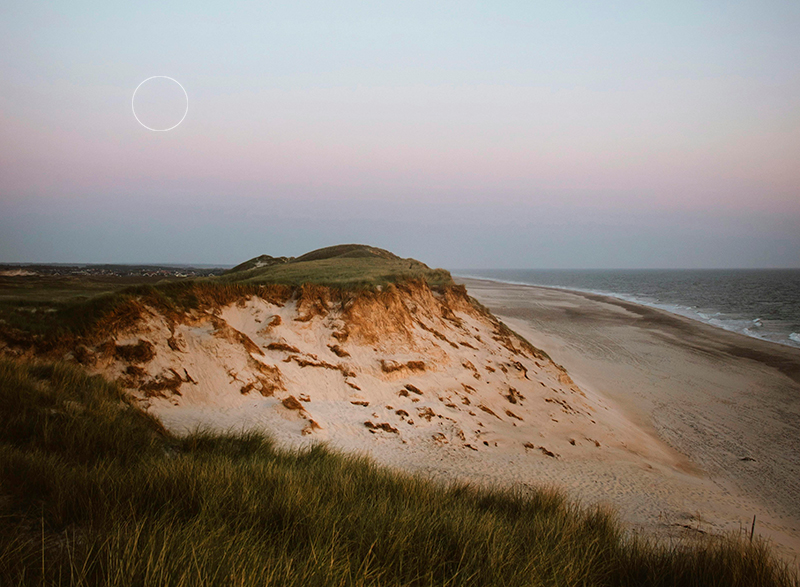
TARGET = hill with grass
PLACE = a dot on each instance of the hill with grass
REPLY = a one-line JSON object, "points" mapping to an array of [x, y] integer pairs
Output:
{"points": [[118, 465], [53, 312], [340, 266], [258, 263]]}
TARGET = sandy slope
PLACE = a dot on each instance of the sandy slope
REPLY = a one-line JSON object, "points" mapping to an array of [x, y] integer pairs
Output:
{"points": [[425, 382], [405, 367], [730, 403]]}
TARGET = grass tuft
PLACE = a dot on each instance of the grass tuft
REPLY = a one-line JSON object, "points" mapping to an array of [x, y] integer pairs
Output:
{"points": [[94, 492]]}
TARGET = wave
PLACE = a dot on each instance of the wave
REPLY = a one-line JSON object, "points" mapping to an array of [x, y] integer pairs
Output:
{"points": [[752, 327]]}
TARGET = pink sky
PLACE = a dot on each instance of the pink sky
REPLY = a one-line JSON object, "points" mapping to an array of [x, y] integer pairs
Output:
{"points": [[605, 116]]}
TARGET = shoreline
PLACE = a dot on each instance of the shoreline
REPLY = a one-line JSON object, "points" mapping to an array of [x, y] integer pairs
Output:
{"points": [[728, 403], [620, 297], [663, 316]]}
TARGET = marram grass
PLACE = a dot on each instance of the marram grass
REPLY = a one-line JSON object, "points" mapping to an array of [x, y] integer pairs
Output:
{"points": [[94, 492]]}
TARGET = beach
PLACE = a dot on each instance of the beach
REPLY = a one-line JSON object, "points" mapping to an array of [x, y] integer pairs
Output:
{"points": [[682, 429], [727, 403]]}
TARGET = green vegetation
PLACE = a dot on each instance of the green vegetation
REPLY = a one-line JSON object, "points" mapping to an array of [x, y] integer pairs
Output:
{"points": [[260, 261], [51, 312], [347, 266], [347, 251], [35, 304], [94, 492], [49, 325], [54, 289], [347, 272]]}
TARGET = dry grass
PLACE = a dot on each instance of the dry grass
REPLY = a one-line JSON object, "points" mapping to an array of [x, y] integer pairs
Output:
{"points": [[140, 352], [344, 272], [59, 325], [94, 492]]}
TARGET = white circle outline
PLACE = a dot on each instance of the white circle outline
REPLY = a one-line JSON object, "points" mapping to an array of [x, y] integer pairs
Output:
{"points": [[159, 129]]}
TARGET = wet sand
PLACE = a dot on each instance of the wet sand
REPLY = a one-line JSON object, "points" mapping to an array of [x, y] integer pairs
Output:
{"points": [[729, 403]]}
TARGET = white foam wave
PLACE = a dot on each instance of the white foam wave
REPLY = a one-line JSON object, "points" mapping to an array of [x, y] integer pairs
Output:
{"points": [[716, 319]]}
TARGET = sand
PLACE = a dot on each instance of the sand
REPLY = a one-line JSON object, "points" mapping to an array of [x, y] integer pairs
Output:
{"points": [[729, 403], [682, 429]]}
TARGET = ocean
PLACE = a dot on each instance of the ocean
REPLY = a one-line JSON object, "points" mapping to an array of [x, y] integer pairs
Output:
{"points": [[762, 303]]}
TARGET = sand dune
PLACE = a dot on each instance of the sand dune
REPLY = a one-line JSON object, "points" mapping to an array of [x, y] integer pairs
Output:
{"points": [[430, 383], [406, 367]]}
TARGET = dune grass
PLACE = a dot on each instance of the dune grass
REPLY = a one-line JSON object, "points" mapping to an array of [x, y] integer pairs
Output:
{"points": [[47, 288], [47, 325], [345, 272], [59, 324], [95, 492], [37, 311]]}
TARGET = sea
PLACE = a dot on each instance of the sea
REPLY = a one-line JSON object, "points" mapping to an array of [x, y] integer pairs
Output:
{"points": [[762, 303]]}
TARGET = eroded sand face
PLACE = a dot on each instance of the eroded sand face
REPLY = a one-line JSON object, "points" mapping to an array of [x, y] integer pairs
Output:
{"points": [[437, 373], [420, 381]]}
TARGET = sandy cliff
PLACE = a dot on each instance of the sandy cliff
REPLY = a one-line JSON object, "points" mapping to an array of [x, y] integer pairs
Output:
{"points": [[405, 365]]}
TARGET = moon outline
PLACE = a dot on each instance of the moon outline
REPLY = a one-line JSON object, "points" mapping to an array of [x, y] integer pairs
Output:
{"points": [[133, 108]]}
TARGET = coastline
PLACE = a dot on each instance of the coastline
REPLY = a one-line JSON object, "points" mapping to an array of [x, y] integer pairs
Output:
{"points": [[683, 311], [727, 402]]}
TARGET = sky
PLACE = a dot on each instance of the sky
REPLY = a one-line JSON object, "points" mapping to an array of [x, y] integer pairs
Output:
{"points": [[465, 134]]}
